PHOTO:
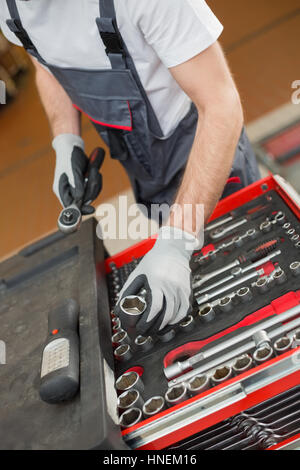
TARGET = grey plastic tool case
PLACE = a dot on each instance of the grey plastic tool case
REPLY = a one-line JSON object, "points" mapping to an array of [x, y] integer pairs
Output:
{"points": [[31, 283]]}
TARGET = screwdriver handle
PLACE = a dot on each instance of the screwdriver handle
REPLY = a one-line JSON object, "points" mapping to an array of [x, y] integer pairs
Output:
{"points": [[65, 317], [60, 359]]}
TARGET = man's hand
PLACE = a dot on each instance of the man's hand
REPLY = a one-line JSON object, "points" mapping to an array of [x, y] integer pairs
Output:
{"points": [[77, 178], [165, 274]]}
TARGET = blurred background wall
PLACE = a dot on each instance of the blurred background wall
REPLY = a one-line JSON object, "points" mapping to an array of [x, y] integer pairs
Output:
{"points": [[261, 41]]}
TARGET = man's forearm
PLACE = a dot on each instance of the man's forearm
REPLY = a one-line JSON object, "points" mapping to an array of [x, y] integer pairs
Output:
{"points": [[206, 79], [210, 162], [62, 116]]}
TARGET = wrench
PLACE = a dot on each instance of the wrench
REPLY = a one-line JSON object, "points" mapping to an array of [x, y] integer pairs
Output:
{"points": [[205, 298], [220, 232], [237, 262], [215, 225]]}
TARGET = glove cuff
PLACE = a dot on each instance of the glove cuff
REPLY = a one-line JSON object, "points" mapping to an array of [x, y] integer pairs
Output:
{"points": [[184, 241], [63, 144]]}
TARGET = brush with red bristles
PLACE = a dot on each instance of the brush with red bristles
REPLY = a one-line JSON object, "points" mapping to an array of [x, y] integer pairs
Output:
{"points": [[261, 251]]}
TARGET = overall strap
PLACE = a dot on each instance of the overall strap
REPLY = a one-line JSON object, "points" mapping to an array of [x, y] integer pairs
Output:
{"points": [[110, 35], [119, 55], [107, 9], [16, 27]]}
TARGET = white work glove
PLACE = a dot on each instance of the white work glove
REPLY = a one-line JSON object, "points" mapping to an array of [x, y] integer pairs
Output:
{"points": [[165, 274], [76, 178]]}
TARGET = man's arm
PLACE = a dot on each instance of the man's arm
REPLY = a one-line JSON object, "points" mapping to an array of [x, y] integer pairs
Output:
{"points": [[165, 271], [206, 79], [72, 165], [62, 116]]}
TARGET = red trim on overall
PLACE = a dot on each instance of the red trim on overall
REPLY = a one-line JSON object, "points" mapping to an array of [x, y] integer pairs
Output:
{"points": [[234, 179], [114, 126]]}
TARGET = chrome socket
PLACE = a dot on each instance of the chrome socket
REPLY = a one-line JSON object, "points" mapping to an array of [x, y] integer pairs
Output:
{"points": [[116, 325], [123, 353], [221, 375], [266, 227], [262, 285], [279, 277], [263, 354], [280, 218], [244, 295], [130, 418], [295, 238], [238, 242], [153, 406], [295, 268], [129, 381], [296, 339], [144, 343], [297, 245], [225, 304], [290, 233], [166, 337], [252, 233], [121, 337], [198, 384], [188, 324], [236, 271], [176, 395], [261, 338], [133, 306], [130, 399], [242, 364], [286, 226], [283, 345], [206, 313]]}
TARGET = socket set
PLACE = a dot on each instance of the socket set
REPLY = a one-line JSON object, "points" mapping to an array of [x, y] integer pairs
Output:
{"points": [[245, 319], [133, 409]]}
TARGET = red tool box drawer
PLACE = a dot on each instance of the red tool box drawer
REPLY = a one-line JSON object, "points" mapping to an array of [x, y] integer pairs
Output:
{"points": [[254, 315]]}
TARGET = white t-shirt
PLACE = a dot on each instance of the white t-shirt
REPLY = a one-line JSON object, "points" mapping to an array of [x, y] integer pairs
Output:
{"points": [[159, 34]]}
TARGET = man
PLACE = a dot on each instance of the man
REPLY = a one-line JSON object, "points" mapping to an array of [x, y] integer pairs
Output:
{"points": [[135, 67]]}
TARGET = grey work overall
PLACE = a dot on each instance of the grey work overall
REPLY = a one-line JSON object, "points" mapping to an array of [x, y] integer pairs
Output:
{"points": [[119, 108]]}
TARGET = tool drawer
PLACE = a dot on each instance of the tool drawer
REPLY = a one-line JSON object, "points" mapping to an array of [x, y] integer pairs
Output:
{"points": [[239, 347]]}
